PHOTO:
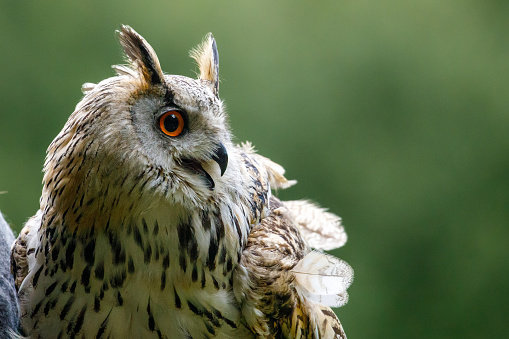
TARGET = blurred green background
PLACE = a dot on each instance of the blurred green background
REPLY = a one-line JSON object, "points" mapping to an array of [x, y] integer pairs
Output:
{"points": [[393, 114]]}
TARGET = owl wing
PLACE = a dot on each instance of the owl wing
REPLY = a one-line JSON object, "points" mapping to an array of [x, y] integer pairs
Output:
{"points": [[24, 250], [275, 172], [282, 285], [321, 229]]}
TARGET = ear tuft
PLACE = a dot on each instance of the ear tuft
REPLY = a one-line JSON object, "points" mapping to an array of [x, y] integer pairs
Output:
{"points": [[207, 58], [141, 55]]}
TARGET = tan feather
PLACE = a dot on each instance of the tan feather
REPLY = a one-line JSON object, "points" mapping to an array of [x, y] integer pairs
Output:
{"points": [[141, 55], [124, 70], [23, 250], [278, 263], [326, 322], [321, 229], [275, 171], [87, 87], [206, 56]]}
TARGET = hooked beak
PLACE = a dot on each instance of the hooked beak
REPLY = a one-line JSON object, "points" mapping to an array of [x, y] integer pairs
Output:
{"points": [[220, 156]]}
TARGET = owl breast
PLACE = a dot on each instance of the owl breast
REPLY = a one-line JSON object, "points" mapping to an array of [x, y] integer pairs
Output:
{"points": [[168, 272]]}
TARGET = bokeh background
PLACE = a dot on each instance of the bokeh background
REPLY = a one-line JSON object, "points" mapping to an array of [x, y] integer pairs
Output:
{"points": [[393, 114]]}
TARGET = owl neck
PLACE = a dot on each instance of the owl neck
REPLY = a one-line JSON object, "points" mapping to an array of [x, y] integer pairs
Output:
{"points": [[88, 199], [169, 246]]}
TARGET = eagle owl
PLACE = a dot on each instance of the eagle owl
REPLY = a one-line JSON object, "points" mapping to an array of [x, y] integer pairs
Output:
{"points": [[154, 224]]}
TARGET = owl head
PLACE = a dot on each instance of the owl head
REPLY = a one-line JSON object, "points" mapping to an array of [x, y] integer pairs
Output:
{"points": [[147, 133]]}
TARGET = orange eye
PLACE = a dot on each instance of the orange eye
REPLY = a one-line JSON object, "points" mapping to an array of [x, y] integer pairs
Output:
{"points": [[172, 123]]}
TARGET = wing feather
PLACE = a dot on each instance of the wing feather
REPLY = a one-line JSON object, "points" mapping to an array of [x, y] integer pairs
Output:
{"points": [[283, 286], [321, 229], [323, 274], [23, 250], [275, 171]]}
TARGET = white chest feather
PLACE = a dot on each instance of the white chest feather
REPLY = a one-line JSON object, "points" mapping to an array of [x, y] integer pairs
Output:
{"points": [[168, 275]]}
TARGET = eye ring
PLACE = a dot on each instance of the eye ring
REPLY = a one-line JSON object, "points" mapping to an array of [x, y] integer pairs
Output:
{"points": [[172, 123]]}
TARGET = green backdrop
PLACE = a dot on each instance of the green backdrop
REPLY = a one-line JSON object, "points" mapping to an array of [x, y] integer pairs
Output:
{"points": [[393, 114]]}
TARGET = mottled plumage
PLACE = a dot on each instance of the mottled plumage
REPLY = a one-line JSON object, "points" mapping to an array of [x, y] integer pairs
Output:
{"points": [[153, 224]]}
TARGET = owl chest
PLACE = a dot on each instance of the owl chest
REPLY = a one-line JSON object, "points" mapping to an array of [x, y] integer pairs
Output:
{"points": [[146, 280]]}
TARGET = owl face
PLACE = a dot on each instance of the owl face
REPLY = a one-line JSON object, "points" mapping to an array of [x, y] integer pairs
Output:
{"points": [[181, 128], [162, 134]]}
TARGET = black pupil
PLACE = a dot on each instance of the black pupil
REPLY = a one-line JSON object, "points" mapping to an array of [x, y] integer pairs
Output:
{"points": [[171, 123]]}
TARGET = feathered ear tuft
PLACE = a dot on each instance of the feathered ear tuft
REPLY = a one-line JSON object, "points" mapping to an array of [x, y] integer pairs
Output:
{"points": [[207, 58], [141, 55]]}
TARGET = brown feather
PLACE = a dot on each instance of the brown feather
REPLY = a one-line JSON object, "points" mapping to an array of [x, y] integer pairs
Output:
{"points": [[272, 306], [141, 55]]}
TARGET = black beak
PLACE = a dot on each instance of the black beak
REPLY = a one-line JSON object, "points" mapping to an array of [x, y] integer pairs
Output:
{"points": [[221, 157]]}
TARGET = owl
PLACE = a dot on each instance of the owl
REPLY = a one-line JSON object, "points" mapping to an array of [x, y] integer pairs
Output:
{"points": [[154, 224]]}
